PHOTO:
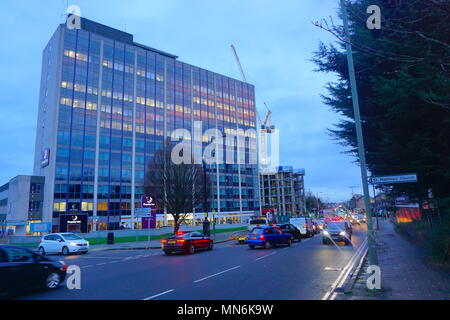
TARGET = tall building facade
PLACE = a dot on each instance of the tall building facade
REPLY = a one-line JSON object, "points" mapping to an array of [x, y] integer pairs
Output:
{"points": [[107, 104], [283, 191]]}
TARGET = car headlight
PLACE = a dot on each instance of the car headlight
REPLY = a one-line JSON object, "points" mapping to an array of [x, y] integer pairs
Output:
{"points": [[325, 232], [72, 243], [342, 233], [87, 242]]}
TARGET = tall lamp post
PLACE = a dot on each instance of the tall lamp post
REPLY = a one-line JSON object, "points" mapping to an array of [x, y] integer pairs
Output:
{"points": [[373, 257]]}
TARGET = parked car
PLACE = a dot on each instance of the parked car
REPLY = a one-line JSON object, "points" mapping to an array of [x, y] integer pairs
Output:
{"points": [[258, 222], [268, 237], [303, 224], [62, 243], [292, 230], [21, 269], [187, 242], [336, 232]]}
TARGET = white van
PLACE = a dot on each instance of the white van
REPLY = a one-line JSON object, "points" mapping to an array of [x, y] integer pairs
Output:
{"points": [[305, 226], [258, 222]]}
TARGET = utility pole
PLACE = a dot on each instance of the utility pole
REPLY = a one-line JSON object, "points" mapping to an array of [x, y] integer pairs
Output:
{"points": [[371, 241]]}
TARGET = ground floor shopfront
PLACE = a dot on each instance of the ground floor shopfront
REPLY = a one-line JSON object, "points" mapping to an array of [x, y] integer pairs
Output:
{"points": [[82, 223]]}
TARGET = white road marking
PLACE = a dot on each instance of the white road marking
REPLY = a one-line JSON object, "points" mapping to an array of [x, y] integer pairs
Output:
{"points": [[332, 269], [216, 274], [343, 275], [159, 294], [267, 255], [99, 257], [88, 266], [115, 261], [101, 264]]}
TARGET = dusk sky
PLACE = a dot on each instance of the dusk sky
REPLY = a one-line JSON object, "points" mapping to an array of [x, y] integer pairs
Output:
{"points": [[275, 41]]}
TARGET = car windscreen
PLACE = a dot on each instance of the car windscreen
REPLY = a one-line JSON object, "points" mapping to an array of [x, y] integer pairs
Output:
{"points": [[71, 236], [258, 221], [257, 231], [335, 227]]}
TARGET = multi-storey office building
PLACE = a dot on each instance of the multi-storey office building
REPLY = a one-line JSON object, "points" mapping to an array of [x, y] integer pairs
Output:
{"points": [[21, 201], [107, 103], [282, 189]]}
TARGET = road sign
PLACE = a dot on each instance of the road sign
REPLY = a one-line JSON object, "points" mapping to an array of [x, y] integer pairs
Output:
{"points": [[142, 212], [403, 178]]}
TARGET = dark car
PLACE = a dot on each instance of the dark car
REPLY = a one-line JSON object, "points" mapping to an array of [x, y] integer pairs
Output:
{"points": [[336, 232], [187, 242], [268, 237], [292, 230], [21, 269]]}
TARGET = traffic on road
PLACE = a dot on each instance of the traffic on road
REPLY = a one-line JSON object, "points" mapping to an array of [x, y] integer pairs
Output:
{"points": [[175, 272]]}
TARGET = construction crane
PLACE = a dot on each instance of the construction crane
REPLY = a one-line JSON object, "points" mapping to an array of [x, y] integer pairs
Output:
{"points": [[264, 125], [266, 128]]}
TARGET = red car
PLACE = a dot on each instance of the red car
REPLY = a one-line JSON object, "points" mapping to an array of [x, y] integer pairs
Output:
{"points": [[187, 242]]}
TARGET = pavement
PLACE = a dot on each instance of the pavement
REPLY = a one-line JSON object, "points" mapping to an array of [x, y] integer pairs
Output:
{"points": [[405, 273], [152, 244], [305, 271]]}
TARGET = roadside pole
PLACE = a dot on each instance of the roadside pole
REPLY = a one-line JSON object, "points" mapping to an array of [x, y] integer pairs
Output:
{"points": [[375, 205], [371, 241]]}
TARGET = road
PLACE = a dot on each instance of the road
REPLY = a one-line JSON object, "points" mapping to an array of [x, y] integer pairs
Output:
{"points": [[306, 270]]}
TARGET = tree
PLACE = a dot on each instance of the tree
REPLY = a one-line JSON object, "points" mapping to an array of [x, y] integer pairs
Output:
{"points": [[177, 188], [403, 83]]}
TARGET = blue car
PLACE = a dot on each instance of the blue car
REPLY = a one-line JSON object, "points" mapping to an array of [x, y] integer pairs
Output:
{"points": [[268, 237]]}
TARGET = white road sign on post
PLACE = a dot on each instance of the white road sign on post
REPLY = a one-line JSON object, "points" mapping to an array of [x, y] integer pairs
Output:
{"points": [[402, 178]]}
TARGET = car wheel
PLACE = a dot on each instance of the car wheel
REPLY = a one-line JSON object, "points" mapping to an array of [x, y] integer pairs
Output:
{"points": [[267, 245], [84, 252], [65, 251], [191, 249], [324, 241], [52, 281], [252, 246], [289, 242], [41, 251], [167, 252]]}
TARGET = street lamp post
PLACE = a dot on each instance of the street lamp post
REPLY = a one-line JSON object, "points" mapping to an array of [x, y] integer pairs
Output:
{"points": [[373, 257]]}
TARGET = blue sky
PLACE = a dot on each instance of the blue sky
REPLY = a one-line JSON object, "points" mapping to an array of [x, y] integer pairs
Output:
{"points": [[274, 39]]}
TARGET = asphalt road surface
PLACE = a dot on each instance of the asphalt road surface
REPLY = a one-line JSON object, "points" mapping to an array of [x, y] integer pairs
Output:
{"points": [[306, 270]]}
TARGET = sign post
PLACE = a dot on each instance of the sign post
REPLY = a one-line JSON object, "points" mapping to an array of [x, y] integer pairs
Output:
{"points": [[214, 223], [390, 179]]}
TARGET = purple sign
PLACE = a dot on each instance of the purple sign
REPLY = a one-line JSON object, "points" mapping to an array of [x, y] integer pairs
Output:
{"points": [[149, 221], [45, 161], [147, 202]]}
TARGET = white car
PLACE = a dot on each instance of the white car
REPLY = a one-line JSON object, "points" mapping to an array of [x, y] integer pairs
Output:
{"points": [[305, 226], [65, 243], [257, 222]]}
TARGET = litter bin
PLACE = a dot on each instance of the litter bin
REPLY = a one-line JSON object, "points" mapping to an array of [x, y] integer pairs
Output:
{"points": [[110, 238]]}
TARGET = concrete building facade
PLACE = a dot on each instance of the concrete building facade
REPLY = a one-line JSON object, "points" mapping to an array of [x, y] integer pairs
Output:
{"points": [[282, 189]]}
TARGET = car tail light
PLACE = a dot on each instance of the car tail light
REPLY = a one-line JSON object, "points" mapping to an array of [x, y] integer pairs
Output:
{"points": [[179, 233], [64, 266], [180, 240], [261, 237], [164, 241], [257, 225]]}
